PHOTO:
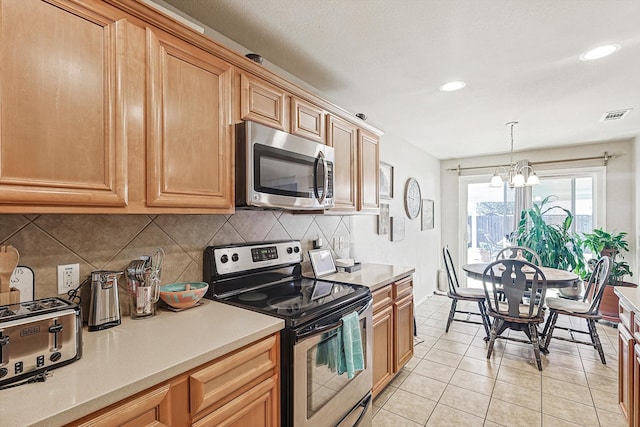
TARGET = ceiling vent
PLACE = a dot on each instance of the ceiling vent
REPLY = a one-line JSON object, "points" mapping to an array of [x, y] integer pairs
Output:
{"points": [[615, 115]]}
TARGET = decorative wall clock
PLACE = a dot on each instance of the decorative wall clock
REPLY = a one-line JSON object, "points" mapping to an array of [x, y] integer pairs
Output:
{"points": [[412, 198]]}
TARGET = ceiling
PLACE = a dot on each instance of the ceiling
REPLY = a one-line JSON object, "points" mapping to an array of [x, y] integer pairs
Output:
{"points": [[387, 59]]}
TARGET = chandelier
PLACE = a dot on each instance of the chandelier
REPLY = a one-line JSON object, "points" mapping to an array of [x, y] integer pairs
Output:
{"points": [[513, 174]]}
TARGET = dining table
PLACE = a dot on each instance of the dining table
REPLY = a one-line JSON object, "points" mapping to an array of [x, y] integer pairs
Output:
{"points": [[556, 278]]}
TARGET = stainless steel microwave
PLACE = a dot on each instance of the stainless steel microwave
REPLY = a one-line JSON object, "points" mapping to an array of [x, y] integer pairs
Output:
{"points": [[275, 169]]}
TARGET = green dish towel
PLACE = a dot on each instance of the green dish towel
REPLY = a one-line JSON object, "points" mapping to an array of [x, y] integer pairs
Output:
{"points": [[352, 356], [329, 350]]}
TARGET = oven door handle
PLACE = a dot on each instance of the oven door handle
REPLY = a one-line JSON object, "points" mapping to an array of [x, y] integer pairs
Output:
{"points": [[319, 329], [325, 180]]}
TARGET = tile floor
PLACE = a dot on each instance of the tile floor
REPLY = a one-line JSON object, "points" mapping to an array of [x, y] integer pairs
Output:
{"points": [[449, 381]]}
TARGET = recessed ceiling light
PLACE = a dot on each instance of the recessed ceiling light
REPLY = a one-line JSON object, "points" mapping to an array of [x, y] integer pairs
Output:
{"points": [[451, 86], [599, 52]]}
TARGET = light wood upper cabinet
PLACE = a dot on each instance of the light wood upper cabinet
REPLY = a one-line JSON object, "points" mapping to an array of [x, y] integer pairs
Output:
{"points": [[369, 171], [263, 103], [343, 137], [308, 120], [188, 125], [62, 133], [356, 170]]}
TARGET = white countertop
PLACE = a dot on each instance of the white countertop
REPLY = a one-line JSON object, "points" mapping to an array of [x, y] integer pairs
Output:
{"points": [[374, 276], [629, 294], [132, 357]]}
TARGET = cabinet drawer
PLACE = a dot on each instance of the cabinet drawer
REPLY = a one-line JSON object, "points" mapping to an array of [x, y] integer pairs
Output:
{"points": [[626, 314], [403, 287], [382, 298], [226, 379]]}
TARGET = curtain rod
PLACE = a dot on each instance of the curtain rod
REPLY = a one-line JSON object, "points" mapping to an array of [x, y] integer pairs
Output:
{"points": [[605, 159]]}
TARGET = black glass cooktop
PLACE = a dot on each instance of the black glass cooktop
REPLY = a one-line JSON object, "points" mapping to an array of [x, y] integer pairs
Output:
{"points": [[300, 300]]}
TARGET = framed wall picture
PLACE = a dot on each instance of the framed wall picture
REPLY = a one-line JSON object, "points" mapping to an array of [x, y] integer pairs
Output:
{"points": [[386, 181], [427, 214], [383, 219], [397, 228]]}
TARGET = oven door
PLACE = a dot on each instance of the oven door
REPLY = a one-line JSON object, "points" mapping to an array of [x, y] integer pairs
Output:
{"points": [[286, 171], [322, 397]]}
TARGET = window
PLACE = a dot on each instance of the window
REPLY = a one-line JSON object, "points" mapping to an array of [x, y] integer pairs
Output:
{"points": [[490, 218]]}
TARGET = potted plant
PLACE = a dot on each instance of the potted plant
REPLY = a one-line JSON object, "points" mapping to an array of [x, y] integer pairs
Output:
{"points": [[557, 246], [612, 245]]}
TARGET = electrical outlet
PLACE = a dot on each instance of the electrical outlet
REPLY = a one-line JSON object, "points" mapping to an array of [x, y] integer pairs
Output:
{"points": [[68, 277]]}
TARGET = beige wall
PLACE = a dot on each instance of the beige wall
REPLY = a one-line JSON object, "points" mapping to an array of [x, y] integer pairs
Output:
{"points": [[419, 249], [621, 190]]}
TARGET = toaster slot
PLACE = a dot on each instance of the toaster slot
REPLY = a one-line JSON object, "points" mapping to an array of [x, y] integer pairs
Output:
{"points": [[4, 349]]}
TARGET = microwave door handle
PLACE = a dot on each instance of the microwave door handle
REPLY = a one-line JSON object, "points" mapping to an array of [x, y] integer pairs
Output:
{"points": [[325, 181]]}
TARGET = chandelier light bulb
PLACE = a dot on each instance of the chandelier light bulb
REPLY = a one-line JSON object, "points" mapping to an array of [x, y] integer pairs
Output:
{"points": [[518, 180], [496, 181]]}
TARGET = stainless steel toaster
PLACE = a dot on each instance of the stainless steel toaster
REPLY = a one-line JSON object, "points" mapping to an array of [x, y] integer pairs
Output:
{"points": [[38, 335]]}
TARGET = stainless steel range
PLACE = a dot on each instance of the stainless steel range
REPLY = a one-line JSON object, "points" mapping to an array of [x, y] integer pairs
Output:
{"points": [[266, 277], [38, 335]]}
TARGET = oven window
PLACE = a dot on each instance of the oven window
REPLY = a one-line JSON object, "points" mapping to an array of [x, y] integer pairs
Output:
{"points": [[323, 380]]}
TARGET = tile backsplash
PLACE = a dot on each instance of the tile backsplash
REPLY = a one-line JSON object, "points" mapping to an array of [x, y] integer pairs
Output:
{"points": [[110, 242]]}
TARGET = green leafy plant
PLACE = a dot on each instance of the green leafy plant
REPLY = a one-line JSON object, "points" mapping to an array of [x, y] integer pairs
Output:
{"points": [[557, 246], [610, 244]]}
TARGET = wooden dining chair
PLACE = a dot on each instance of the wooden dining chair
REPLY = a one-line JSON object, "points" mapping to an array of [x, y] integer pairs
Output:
{"points": [[458, 293], [588, 308], [515, 312], [520, 252]]}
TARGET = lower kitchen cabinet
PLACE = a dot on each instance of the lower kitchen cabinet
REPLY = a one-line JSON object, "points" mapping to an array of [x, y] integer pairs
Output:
{"points": [[629, 363], [382, 349], [392, 331], [151, 406], [238, 389]]}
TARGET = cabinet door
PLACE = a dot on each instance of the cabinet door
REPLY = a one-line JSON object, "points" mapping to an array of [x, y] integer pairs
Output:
{"points": [[257, 407], [636, 386], [369, 172], [342, 136], [263, 103], [189, 132], [62, 133], [382, 349], [403, 314], [308, 120], [625, 372], [150, 408]]}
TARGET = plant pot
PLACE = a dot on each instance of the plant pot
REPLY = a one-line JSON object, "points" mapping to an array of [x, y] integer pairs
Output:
{"points": [[609, 303]]}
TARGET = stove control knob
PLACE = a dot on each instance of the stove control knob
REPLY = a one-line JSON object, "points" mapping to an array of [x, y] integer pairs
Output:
{"points": [[296, 249], [3, 372], [289, 250], [234, 257], [224, 259]]}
